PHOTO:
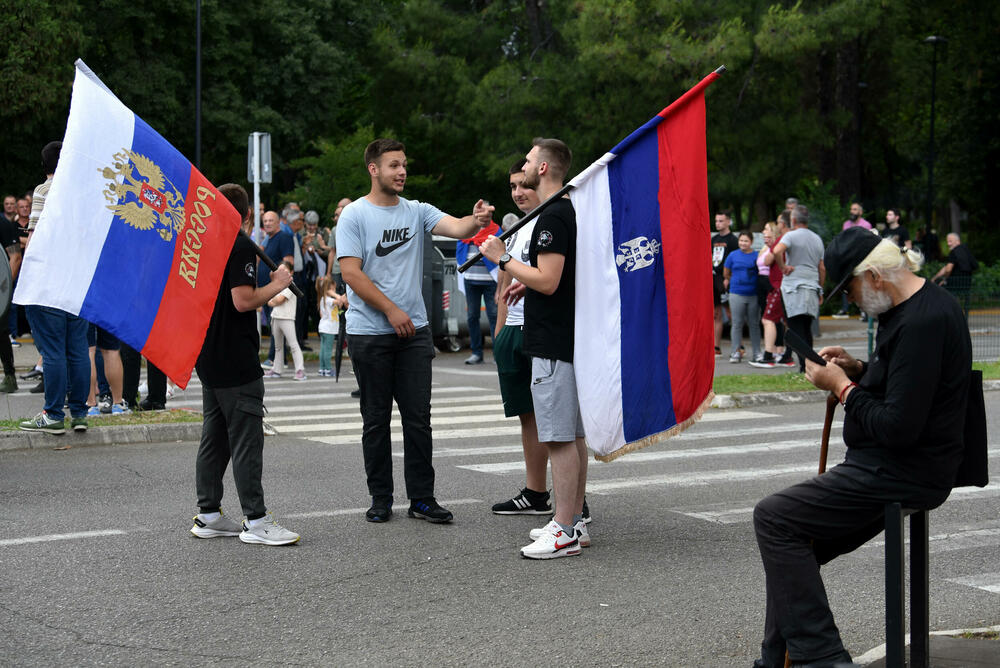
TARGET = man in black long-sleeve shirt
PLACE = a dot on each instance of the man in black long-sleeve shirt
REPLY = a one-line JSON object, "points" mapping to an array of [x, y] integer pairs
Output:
{"points": [[905, 411]]}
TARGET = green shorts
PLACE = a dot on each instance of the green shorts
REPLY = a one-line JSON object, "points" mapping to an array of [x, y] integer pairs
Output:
{"points": [[514, 369]]}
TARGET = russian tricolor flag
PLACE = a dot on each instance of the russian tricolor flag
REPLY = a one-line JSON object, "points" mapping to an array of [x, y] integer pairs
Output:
{"points": [[132, 237], [644, 356]]}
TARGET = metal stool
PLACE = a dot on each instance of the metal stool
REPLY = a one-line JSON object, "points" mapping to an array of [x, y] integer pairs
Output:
{"points": [[895, 588]]}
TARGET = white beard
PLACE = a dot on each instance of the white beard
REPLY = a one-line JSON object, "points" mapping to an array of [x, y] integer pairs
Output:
{"points": [[872, 301]]}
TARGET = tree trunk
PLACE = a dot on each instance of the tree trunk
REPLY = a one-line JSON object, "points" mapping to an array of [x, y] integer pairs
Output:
{"points": [[848, 146]]}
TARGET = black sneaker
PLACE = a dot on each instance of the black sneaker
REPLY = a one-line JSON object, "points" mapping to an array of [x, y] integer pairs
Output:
{"points": [[528, 502], [380, 511], [428, 509], [586, 512]]}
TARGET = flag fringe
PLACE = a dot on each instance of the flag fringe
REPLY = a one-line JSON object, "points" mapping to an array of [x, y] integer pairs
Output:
{"points": [[662, 436]]}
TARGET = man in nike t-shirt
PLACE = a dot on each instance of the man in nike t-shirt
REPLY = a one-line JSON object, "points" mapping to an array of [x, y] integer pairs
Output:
{"points": [[380, 245]]}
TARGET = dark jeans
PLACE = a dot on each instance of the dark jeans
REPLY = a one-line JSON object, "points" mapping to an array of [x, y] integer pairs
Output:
{"points": [[807, 525], [61, 338], [802, 325], [232, 429], [476, 293], [390, 368]]}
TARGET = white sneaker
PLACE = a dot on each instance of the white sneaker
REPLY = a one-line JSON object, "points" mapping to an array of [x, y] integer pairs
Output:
{"points": [[267, 532], [554, 543], [220, 526], [582, 532]]}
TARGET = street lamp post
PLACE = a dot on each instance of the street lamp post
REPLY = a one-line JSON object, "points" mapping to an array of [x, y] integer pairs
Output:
{"points": [[933, 40], [197, 86]]}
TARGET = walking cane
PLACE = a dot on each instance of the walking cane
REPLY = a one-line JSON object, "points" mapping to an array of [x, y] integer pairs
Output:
{"points": [[824, 449]]}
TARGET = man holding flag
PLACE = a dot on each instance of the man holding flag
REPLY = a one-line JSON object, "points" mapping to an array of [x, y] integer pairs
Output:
{"points": [[233, 395], [548, 340]]}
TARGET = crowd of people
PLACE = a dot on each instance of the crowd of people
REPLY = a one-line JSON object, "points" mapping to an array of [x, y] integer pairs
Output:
{"points": [[898, 448], [781, 285]]}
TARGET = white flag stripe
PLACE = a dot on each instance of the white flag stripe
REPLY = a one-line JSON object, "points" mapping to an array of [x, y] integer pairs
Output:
{"points": [[987, 581], [439, 435], [597, 352], [696, 478], [76, 197]]}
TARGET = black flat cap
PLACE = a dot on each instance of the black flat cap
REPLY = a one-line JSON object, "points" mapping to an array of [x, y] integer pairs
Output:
{"points": [[845, 253]]}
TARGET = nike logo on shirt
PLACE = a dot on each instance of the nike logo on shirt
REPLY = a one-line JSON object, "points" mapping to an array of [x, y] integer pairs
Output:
{"points": [[382, 250]]}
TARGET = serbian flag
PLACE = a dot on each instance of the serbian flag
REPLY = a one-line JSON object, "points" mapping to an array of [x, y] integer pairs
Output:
{"points": [[132, 237], [644, 357], [463, 246]]}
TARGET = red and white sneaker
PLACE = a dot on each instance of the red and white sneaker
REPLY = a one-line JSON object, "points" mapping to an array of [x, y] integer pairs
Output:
{"points": [[552, 543]]}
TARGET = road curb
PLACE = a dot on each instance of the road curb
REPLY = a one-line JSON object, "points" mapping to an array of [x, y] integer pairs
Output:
{"points": [[740, 400], [123, 435]]}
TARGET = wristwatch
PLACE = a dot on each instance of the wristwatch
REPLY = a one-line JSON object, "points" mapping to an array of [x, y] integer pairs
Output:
{"points": [[504, 259]]}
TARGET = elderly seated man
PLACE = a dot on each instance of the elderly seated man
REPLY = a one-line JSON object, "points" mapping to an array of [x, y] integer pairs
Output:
{"points": [[904, 416]]}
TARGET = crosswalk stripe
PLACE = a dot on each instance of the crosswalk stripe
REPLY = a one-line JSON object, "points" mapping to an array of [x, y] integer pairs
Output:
{"points": [[312, 398], [357, 511], [694, 435], [725, 516], [695, 478], [638, 457], [439, 435], [349, 406], [491, 411], [986, 581], [320, 428]]}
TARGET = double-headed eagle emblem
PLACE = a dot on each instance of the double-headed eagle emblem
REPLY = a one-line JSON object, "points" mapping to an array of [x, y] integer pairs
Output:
{"points": [[142, 196]]}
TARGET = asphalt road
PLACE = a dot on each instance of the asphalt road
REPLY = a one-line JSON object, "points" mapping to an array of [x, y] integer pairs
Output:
{"points": [[99, 567]]}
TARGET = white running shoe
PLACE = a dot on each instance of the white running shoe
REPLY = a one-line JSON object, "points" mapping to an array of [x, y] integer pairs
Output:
{"points": [[267, 532], [554, 543], [220, 526], [582, 532]]}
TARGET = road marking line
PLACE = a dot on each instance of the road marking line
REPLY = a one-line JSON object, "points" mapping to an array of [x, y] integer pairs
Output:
{"points": [[950, 542], [351, 409], [441, 435], [635, 457], [345, 395], [987, 581], [720, 415], [727, 516], [695, 478], [693, 434], [60, 536], [320, 428], [356, 511]]}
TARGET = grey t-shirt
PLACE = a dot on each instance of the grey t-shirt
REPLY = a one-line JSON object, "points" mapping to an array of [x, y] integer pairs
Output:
{"points": [[390, 242], [805, 252]]}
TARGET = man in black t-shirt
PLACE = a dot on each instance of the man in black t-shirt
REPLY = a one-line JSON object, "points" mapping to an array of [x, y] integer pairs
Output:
{"points": [[548, 340], [233, 395], [956, 274], [724, 242], [895, 232]]}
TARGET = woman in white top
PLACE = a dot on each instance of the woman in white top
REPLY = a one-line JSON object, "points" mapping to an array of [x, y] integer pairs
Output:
{"points": [[282, 328]]}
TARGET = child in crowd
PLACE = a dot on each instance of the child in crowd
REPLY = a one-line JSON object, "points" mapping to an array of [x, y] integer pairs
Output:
{"points": [[283, 329], [330, 303], [741, 282]]}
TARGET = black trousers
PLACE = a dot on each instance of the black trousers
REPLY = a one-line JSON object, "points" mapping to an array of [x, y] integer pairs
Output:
{"points": [[807, 525], [232, 429], [6, 350], [802, 325], [390, 368], [156, 380]]}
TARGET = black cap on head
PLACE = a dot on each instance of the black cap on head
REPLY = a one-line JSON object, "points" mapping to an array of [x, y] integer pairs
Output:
{"points": [[845, 253]]}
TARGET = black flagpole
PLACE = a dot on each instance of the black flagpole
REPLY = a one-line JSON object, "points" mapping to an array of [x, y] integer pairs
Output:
{"points": [[531, 215]]}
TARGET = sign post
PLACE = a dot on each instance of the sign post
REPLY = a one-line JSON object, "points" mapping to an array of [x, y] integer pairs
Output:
{"points": [[258, 171]]}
